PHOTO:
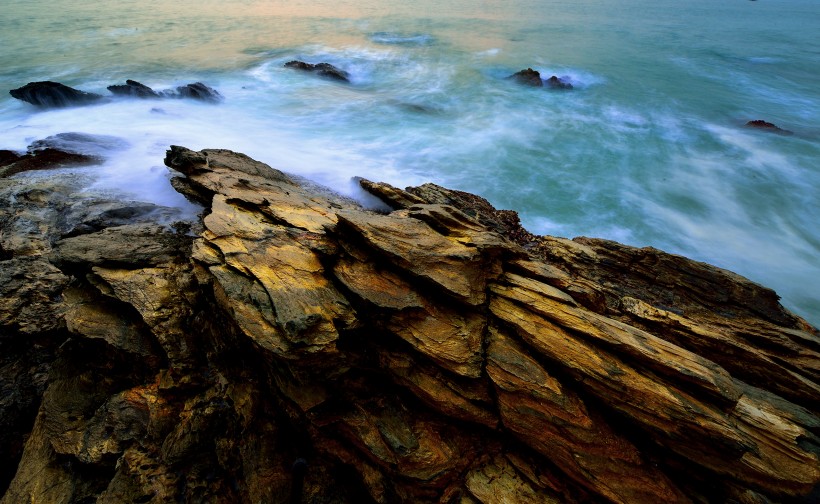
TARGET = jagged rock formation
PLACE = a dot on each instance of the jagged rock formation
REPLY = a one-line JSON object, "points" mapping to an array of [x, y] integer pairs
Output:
{"points": [[134, 89], [532, 78], [53, 94], [49, 94], [760, 124], [325, 70], [295, 347]]}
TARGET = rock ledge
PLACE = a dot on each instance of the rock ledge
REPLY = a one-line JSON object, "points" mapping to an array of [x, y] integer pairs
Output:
{"points": [[294, 347]]}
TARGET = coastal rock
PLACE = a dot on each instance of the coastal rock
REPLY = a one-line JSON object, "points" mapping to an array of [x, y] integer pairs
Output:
{"points": [[296, 347], [8, 157], [767, 126], [527, 77], [325, 70], [60, 151], [49, 94], [46, 159], [133, 88], [198, 91], [556, 83], [53, 94], [530, 77]]}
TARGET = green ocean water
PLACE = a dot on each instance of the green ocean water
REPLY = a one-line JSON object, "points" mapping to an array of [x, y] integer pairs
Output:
{"points": [[648, 148]]}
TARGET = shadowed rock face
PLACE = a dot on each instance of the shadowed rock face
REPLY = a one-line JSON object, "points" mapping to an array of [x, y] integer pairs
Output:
{"points": [[527, 77], [49, 94], [133, 88], [297, 348], [762, 125], [53, 94], [325, 70]]}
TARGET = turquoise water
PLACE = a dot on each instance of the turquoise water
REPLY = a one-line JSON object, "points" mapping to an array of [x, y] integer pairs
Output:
{"points": [[648, 149]]}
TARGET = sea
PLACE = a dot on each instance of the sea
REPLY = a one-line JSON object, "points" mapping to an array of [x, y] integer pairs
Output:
{"points": [[649, 148]]}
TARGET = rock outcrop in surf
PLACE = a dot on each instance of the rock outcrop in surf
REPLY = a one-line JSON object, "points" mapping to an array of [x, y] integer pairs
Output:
{"points": [[325, 70], [49, 94], [292, 346], [530, 77], [760, 124]]}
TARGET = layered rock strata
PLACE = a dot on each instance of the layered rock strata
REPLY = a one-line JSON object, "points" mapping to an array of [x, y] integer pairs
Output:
{"points": [[295, 347]]}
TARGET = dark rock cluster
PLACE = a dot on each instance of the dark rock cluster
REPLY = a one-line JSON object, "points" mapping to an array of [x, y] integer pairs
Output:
{"points": [[325, 70], [530, 77], [49, 94]]}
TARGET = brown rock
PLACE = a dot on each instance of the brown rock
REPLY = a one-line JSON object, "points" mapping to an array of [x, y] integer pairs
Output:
{"points": [[527, 77], [303, 349]]}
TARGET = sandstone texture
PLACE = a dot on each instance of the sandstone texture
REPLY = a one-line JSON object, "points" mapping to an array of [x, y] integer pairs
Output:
{"points": [[295, 347]]}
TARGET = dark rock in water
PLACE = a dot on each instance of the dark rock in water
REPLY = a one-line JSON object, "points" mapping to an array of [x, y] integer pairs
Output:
{"points": [[556, 83], [133, 88], [60, 151], [767, 126], [46, 159], [527, 77], [53, 94], [321, 69], [199, 91], [79, 143], [299, 65], [8, 157]]}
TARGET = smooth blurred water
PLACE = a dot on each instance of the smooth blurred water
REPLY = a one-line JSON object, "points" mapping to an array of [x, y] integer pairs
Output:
{"points": [[648, 149]]}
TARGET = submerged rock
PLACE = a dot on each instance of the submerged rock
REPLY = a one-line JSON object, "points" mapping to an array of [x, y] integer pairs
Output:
{"points": [[53, 94], [321, 69], [436, 353], [767, 126]]}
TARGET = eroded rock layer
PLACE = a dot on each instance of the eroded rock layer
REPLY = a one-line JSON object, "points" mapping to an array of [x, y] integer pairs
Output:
{"points": [[295, 347]]}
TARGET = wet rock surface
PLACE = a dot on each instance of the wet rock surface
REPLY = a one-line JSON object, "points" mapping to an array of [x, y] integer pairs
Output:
{"points": [[555, 83], [325, 70], [527, 77], [133, 88], [49, 94], [294, 347], [762, 125], [532, 78]]}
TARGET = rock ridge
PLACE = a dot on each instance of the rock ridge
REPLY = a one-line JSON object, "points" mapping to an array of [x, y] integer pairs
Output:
{"points": [[293, 346]]}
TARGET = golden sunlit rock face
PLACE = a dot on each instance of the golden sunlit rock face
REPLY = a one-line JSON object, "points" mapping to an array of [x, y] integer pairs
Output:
{"points": [[295, 347]]}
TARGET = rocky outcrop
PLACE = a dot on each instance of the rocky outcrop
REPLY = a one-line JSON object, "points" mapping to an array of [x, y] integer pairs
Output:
{"points": [[325, 70], [556, 83], [197, 91], [530, 77], [53, 94], [134, 89], [44, 159], [527, 77], [295, 347], [760, 124]]}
